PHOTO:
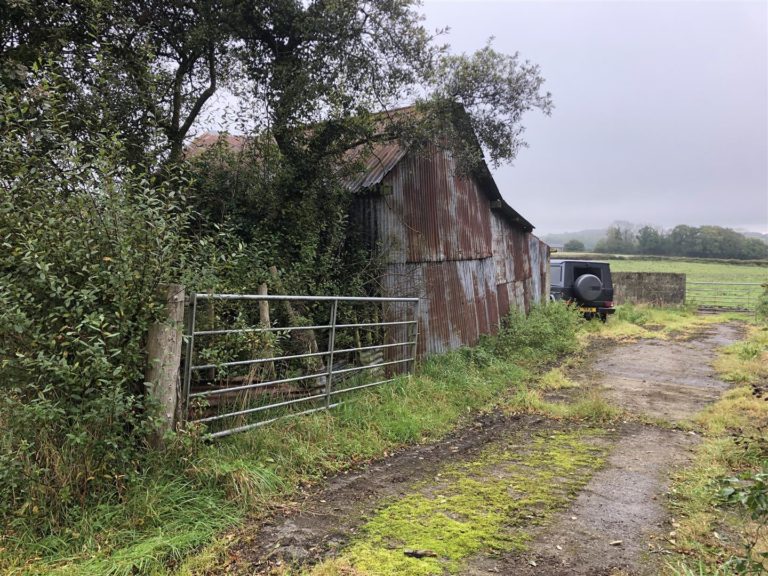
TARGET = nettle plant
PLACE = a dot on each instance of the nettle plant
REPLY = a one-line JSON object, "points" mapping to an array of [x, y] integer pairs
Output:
{"points": [[84, 243], [750, 493]]}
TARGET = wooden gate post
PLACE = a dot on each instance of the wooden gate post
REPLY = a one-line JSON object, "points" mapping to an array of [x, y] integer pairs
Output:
{"points": [[164, 359]]}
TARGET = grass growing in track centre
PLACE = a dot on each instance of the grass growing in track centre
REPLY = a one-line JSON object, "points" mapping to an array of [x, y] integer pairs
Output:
{"points": [[175, 515]]}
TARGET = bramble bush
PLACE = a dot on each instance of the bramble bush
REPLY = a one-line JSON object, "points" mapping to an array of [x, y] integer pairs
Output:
{"points": [[84, 243], [750, 493]]}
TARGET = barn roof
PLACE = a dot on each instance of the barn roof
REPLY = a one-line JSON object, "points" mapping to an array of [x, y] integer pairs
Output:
{"points": [[385, 156], [376, 162]]}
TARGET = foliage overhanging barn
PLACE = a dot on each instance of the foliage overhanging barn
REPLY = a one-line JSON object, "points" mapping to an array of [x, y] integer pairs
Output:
{"points": [[450, 240]]}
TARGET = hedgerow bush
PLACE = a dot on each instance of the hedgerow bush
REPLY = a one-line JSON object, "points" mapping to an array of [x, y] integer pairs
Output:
{"points": [[549, 330], [762, 304], [84, 243]]}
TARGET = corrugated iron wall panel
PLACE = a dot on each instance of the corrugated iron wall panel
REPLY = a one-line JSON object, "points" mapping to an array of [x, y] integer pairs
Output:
{"points": [[379, 218], [459, 300], [472, 217], [535, 259], [445, 217], [444, 244], [511, 251], [545, 278], [502, 293]]}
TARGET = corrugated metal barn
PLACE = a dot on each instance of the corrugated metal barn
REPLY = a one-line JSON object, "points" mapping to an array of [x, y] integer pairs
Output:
{"points": [[451, 241]]}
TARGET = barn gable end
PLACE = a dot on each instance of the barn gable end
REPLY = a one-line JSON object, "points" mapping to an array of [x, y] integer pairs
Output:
{"points": [[453, 242]]}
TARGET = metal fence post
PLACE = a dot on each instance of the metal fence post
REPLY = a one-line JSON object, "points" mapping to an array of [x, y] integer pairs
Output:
{"points": [[331, 347], [416, 333], [190, 334]]}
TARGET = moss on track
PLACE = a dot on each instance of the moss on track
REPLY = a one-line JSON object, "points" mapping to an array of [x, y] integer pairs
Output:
{"points": [[475, 506]]}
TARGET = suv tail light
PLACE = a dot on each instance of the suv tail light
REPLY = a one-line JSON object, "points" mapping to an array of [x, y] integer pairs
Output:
{"points": [[608, 304]]}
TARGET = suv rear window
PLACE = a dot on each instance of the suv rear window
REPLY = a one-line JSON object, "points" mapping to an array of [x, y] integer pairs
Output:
{"points": [[579, 270], [556, 273]]}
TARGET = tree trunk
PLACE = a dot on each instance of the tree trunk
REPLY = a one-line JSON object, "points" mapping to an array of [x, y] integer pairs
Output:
{"points": [[161, 377]]}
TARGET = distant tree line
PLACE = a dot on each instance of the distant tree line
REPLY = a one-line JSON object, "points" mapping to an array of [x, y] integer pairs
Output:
{"points": [[574, 246], [682, 240]]}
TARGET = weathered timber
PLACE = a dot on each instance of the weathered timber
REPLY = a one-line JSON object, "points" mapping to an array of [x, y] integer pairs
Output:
{"points": [[163, 360]]}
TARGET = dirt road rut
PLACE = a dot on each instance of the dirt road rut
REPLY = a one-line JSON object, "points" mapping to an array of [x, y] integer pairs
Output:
{"points": [[606, 522]]}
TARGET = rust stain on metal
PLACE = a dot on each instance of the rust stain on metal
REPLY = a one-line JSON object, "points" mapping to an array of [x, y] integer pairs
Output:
{"points": [[449, 241]]}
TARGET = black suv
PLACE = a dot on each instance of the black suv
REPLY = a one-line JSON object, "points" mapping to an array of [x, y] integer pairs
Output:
{"points": [[586, 284]]}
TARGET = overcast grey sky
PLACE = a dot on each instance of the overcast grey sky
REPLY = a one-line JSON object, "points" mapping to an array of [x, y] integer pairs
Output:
{"points": [[661, 108]]}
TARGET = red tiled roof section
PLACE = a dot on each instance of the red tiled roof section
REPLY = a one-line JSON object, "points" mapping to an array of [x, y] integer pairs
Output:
{"points": [[208, 140]]}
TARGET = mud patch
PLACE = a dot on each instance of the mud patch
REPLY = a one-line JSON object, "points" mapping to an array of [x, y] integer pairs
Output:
{"points": [[666, 380]]}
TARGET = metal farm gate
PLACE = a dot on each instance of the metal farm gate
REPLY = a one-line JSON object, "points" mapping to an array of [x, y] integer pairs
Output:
{"points": [[737, 296], [250, 359]]}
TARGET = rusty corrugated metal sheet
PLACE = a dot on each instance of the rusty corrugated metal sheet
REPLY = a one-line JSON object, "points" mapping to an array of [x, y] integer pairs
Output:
{"points": [[445, 244], [443, 217], [375, 164], [459, 300], [511, 251], [545, 278], [502, 295], [535, 259]]}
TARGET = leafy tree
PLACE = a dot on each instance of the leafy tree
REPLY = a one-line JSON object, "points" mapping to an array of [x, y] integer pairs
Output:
{"points": [[574, 246], [143, 69], [619, 239], [754, 248], [651, 241], [684, 240]]}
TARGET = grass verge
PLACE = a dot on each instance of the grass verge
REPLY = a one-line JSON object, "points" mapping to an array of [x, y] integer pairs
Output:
{"points": [[708, 534], [183, 498]]}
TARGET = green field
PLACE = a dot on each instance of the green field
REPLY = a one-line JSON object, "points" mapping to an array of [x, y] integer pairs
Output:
{"points": [[695, 270], [716, 271]]}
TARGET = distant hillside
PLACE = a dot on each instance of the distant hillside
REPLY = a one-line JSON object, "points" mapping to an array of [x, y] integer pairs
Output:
{"points": [[763, 237], [588, 237]]}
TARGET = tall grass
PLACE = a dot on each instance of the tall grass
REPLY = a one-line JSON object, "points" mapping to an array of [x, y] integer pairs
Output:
{"points": [[182, 498]]}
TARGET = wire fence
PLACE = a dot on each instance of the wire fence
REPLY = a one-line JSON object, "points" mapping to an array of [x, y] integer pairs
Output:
{"points": [[251, 359], [742, 296]]}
